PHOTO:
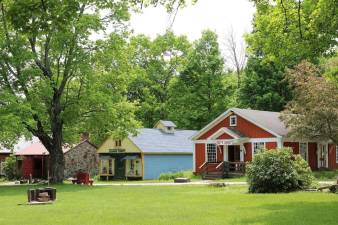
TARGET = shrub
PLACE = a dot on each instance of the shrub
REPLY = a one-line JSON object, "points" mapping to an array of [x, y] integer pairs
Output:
{"points": [[10, 167], [278, 171], [173, 175]]}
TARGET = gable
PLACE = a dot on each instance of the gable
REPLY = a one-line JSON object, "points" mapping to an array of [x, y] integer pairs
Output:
{"points": [[224, 136], [126, 145], [244, 126]]}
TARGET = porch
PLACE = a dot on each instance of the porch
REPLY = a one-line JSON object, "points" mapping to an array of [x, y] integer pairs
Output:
{"points": [[224, 169]]}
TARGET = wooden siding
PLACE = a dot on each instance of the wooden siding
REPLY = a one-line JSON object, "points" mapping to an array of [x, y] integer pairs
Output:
{"points": [[332, 157], [154, 165], [126, 144], [293, 145], [271, 145], [199, 156], [312, 154], [245, 127], [248, 152]]}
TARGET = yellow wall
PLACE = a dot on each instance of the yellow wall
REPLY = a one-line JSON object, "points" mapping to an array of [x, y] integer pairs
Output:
{"points": [[126, 144]]}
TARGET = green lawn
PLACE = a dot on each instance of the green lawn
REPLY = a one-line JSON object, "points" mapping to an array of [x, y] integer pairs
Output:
{"points": [[325, 175], [168, 205]]}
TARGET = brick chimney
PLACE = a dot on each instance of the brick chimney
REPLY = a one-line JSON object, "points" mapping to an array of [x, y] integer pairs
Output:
{"points": [[84, 136]]}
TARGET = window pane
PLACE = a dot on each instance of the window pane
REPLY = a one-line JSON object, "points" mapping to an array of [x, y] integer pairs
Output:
{"points": [[211, 152]]}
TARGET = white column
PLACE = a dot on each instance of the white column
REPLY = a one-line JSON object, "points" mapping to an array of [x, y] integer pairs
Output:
{"points": [[241, 155], [279, 142], [225, 153]]}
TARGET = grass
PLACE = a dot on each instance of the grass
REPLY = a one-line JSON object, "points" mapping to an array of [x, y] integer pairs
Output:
{"points": [[170, 205], [325, 175]]}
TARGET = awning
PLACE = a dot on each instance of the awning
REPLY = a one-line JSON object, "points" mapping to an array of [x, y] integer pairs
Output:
{"points": [[130, 157]]}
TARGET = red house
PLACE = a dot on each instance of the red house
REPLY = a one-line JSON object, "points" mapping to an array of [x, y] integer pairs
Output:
{"points": [[235, 136]]}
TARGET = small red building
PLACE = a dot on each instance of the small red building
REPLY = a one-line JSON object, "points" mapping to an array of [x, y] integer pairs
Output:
{"points": [[235, 136]]}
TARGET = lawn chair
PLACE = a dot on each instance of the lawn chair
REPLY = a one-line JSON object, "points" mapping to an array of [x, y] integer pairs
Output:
{"points": [[82, 178]]}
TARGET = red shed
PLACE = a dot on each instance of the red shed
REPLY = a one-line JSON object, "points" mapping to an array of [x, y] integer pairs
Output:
{"points": [[235, 136]]}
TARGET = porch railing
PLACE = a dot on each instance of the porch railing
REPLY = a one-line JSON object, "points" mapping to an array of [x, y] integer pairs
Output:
{"points": [[234, 168], [224, 168]]}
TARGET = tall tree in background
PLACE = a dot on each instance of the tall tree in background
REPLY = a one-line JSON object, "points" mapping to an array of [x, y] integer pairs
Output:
{"points": [[156, 63], [50, 84], [198, 94], [313, 113], [284, 33]]}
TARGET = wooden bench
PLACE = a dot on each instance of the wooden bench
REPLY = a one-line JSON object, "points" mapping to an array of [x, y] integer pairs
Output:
{"points": [[82, 178]]}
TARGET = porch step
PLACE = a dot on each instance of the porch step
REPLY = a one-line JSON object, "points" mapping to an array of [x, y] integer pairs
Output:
{"points": [[212, 176]]}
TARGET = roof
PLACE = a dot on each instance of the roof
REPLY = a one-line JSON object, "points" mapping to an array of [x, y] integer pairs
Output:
{"points": [[167, 123], [39, 149], [269, 121], [153, 140], [20, 145]]}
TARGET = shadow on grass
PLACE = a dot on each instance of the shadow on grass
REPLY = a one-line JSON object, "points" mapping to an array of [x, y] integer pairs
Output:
{"points": [[22, 189], [295, 213]]}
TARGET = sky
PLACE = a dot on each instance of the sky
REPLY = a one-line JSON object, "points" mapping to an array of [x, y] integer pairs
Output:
{"points": [[220, 16], [217, 15]]}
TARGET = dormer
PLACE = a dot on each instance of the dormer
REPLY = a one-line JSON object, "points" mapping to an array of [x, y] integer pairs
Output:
{"points": [[166, 126]]}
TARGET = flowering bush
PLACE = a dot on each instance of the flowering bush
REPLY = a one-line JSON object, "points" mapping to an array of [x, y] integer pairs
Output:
{"points": [[278, 170]]}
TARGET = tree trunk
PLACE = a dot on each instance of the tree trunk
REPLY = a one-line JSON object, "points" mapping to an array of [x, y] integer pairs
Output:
{"points": [[56, 165]]}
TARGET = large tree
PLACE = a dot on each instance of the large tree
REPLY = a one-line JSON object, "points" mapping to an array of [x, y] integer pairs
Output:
{"points": [[50, 82], [285, 32], [199, 92], [154, 63], [313, 113]]}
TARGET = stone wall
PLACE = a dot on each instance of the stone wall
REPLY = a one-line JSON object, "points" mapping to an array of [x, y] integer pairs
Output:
{"points": [[82, 157]]}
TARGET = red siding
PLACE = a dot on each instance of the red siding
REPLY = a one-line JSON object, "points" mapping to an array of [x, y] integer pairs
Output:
{"points": [[245, 127], [248, 152], [332, 157], [293, 145], [199, 156], [271, 145], [225, 136], [27, 167], [312, 151]]}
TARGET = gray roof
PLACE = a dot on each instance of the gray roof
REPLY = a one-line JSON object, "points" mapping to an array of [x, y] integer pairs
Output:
{"points": [[167, 123], [20, 145], [153, 140], [266, 119]]}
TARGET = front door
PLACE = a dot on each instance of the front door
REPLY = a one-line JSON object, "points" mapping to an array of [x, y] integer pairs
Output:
{"points": [[322, 154], [120, 168], [234, 153]]}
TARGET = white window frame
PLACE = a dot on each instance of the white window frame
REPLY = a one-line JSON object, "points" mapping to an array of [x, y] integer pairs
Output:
{"points": [[206, 152], [230, 121], [306, 150], [253, 146], [336, 153]]}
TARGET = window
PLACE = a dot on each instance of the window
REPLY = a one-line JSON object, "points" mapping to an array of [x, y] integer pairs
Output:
{"points": [[211, 152], [118, 143], [233, 121], [336, 153], [257, 146], [303, 150]]}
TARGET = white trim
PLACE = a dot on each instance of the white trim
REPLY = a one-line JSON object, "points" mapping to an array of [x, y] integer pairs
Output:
{"points": [[246, 140], [279, 142], [253, 147], [326, 145], [225, 153], [222, 131], [224, 115], [206, 152], [230, 119], [307, 149]]}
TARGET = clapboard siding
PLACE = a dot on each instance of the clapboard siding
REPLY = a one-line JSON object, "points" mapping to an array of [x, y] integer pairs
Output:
{"points": [[154, 165]]}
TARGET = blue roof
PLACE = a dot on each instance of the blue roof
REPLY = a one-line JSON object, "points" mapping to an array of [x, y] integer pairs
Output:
{"points": [[153, 140]]}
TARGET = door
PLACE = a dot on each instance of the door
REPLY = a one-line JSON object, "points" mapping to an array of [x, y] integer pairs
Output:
{"points": [[234, 153], [120, 168], [322, 156]]}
